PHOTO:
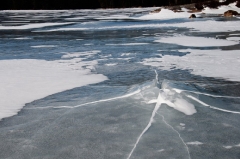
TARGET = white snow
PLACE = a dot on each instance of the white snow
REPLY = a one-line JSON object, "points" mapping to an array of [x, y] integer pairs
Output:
{"points": [[194, 143], [227, 147], [23, 81], [111, 64], [116, 17], [165, 14], [209, 63], [221, 9], [182, 124], [129, 44], [237, 145], [79, 54], [234, 38], [196, 41], [23, 38], [43, 46], [31, 26]]}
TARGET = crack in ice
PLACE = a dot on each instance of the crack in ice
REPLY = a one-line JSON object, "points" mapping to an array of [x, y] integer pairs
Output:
{"points": [[212, 107], [94, 102], [211, 95], [157, 106], [189, 156]]}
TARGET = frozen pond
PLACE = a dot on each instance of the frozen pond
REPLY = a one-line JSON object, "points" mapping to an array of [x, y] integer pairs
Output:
{"points": [[118, 84]]}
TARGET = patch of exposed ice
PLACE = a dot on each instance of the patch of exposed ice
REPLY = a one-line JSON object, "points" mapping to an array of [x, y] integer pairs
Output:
{"points": [[208, 26], [209, 63], [23, 81], [196, 41], [194, 143], [15, 21], [202, 26], [31, 26], [234, 34]]}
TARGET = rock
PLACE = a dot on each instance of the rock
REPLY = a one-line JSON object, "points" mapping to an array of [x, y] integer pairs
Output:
{"points": [[156, 11], [199, 6], [238, 4], [193, 16], [230, 13]]}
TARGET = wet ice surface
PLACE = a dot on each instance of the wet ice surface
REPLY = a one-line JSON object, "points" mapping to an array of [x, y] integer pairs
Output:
{"points": [[116, 84]]}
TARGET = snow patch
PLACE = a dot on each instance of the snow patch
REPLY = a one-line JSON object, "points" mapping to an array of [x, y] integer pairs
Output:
{"points": [[43, 46], [227, 147], [234, 38], [129, 44], [79, 54], [165, 14], [194, 143], [209, 63], [23, 81], [23, 38], [221, 9]]}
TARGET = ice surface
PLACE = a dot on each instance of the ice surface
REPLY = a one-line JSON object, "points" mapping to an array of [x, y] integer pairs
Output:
{"points": [[23, 81], [33, 11], [120, 115], [209, 63], [196, 41], [196, 26], [31, 26]]}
